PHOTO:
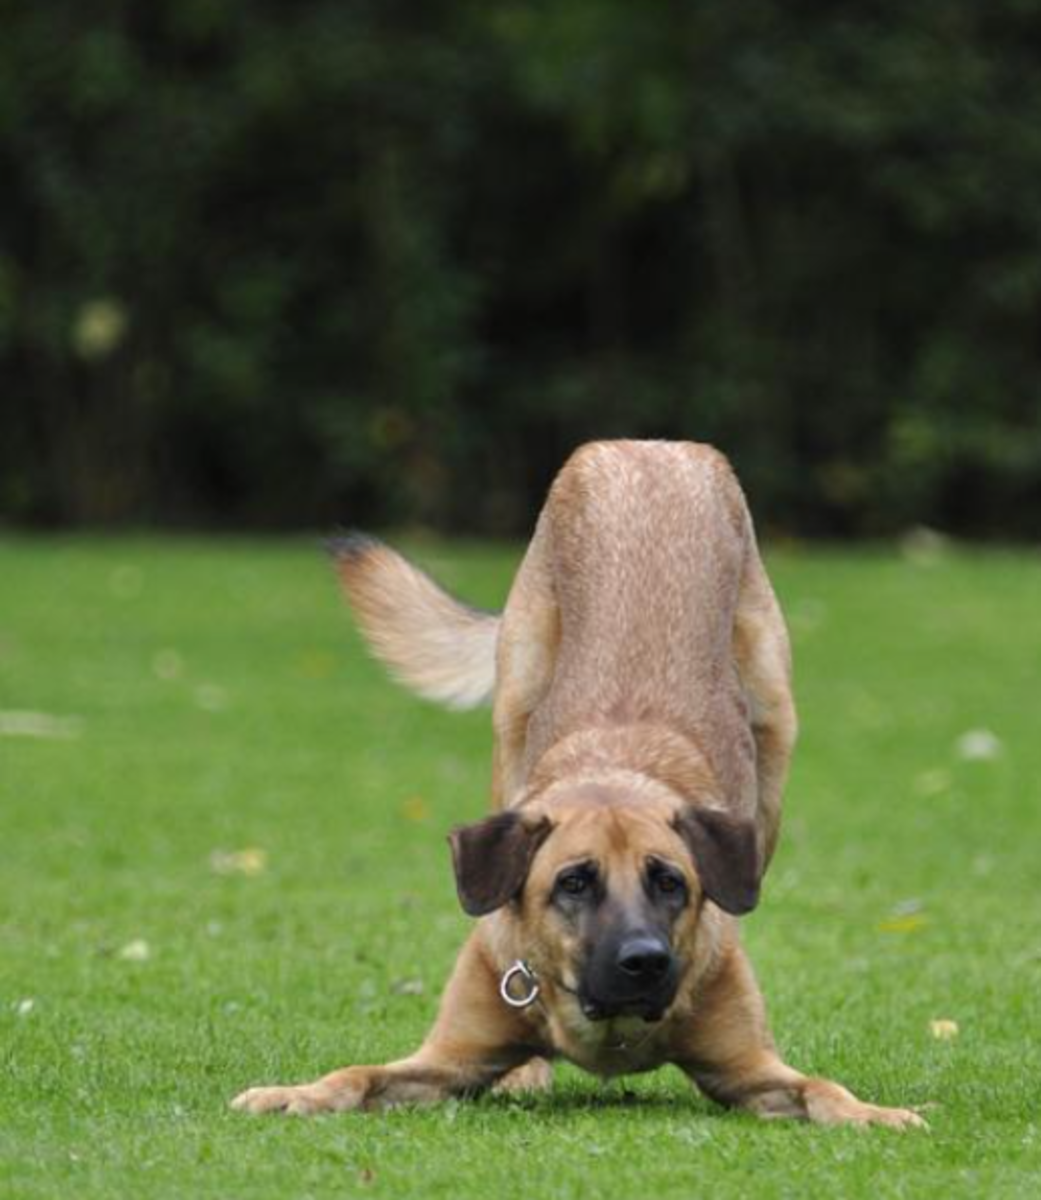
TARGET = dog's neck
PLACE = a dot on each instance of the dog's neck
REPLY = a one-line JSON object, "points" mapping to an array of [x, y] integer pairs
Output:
{"points": [[625, 754]]}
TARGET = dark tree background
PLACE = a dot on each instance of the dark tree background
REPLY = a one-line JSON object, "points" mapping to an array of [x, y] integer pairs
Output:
{"points": [[273, 263]]}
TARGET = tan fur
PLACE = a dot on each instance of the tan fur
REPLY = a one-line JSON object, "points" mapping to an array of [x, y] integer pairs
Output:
{"points": [[641, 671], [440, 648]]}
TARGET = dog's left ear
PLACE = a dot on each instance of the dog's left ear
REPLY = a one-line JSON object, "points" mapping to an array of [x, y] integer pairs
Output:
{"points": [[492, 858], [726, 855]]}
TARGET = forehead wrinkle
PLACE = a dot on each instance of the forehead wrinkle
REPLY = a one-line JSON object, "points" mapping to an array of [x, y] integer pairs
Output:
{"points": [[619, 840], [616, 833]]}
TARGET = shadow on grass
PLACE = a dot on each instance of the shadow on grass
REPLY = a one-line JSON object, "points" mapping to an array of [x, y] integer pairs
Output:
{"points": [[575, 1101]]}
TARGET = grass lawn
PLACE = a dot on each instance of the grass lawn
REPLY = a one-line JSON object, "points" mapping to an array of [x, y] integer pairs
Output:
{"points": [[210, 698]]}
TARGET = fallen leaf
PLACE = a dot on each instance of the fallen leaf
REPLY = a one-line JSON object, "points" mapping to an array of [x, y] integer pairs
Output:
{"points": [[944, 1029], [908, 923], [978, 745], [136, 951], [39, 725], [415, 808], [250, 861]]}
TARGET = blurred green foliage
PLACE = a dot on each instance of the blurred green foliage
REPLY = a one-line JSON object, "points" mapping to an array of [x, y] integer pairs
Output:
{"points": [[271, 263]]}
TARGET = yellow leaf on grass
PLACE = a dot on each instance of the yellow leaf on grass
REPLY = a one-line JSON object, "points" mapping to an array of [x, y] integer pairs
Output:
{"points": [[415, 808], [908, 923], [136, 951], [944, 1029], [315, 664], [250, 861]]}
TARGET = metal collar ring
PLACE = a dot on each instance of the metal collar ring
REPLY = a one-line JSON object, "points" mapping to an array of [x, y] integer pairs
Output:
{"points": [[519, 970]]}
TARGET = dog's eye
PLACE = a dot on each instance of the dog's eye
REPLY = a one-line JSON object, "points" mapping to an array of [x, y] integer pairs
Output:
{"points": [[574, 883], [667, 883], [577, 886]]}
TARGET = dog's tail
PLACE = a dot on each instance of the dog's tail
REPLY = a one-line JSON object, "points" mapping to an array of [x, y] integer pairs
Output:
{"points": [[433, 643]]}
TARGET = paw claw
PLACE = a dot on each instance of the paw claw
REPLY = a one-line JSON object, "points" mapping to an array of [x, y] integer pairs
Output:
{"points": [[893, 1118], [296, 1101]]}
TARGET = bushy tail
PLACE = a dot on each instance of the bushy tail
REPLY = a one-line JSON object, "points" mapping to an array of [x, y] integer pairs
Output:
{"points": [[431, 642]]}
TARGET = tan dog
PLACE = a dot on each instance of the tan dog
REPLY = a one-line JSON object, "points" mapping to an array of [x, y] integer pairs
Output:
{"points": [[643, 726]]}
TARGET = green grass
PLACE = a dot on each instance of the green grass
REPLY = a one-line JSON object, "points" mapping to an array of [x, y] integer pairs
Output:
{"points": [[224, 703]]}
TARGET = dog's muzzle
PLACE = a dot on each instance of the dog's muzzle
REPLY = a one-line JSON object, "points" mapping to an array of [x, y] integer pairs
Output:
{"points": [[637, 976]]}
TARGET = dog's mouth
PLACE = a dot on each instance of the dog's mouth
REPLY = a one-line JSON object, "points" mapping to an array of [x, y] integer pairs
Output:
{"points": [[609, 1003], [596, 1010]]}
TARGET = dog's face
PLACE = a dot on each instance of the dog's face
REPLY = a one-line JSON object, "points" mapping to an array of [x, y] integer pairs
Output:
{"points": [[611, 901], [607, 894]]}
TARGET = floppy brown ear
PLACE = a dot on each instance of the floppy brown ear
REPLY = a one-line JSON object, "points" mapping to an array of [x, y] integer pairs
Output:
{"points": [[492, 858], [726, 855]]}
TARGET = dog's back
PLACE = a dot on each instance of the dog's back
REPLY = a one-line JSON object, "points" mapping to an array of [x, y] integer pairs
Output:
{"points": [[648, 542]]}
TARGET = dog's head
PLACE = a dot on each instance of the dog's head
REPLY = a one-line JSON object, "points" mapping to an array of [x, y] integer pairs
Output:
{"points": [[607, 894]]}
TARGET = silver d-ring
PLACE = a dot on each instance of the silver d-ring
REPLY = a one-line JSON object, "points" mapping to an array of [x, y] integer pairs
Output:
{"points": [[519, 970]]}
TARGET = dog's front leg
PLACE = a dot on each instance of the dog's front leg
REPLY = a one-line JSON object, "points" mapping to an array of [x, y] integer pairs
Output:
{"points": [[434, 1073], [475, 1041], [728, 1051]]}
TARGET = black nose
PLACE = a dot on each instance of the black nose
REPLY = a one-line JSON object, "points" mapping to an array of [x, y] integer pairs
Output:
{"points": [[646, 959]]}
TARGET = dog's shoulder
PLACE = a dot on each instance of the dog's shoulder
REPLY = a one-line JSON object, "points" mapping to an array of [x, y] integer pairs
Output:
{"points": [[675, 479]]}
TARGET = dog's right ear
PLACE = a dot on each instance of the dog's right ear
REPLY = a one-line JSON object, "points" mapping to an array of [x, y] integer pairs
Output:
{"points": [[492, 859], [726, 854]]}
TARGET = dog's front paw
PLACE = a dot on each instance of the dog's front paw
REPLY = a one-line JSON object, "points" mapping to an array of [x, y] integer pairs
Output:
{"points": [[831, 1104], [895, 1118], [302, 1101]]}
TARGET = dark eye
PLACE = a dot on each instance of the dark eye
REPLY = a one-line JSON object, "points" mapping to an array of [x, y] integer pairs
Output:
{"points": [[574, 883], [666, 882]]}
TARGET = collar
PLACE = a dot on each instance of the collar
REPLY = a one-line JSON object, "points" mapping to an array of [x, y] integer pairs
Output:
{"points": [[519, 985]]}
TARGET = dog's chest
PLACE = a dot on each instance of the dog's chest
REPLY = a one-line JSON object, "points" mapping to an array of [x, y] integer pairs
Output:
{"points": [[619, 1046]]}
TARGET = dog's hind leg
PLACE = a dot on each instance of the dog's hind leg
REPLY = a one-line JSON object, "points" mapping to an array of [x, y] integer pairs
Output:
{"points": [[527, 650], [763, 658]]}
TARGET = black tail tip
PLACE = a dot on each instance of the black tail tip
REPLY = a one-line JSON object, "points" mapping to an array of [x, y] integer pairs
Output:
{"points": [[350, 545]]}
